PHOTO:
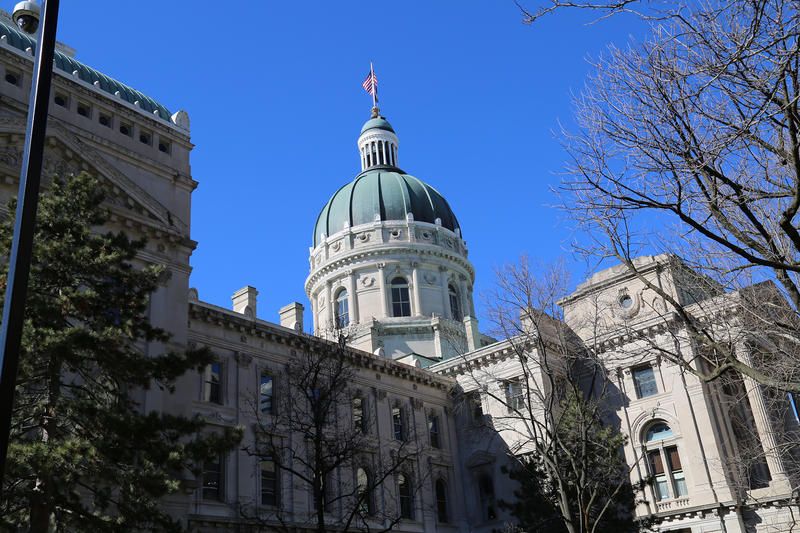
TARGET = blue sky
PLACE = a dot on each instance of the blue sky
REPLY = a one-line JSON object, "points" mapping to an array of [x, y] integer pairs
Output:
{"points": [[275, 99]]}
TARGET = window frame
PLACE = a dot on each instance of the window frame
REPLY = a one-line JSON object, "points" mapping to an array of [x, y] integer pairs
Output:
{"points": [[266, 373], [367, 505], [274, 483], [213, 392], [405, 496], [441, 496], [434, 421], [399, 423], [642, 393], [216, 492], [454, 296], [401, 299], [670, 482], [515, 399], [341, 308], [359, 423]]}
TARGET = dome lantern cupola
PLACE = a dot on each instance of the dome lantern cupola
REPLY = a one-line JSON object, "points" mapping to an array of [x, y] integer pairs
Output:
{"points": [[377, 144]]}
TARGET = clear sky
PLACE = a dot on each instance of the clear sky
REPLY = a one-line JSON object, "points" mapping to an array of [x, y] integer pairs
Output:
{"points": [[274, 93]]}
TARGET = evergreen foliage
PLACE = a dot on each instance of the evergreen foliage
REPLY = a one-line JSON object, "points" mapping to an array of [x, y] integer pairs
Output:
{"points": [[83, 455], [591, 477]]}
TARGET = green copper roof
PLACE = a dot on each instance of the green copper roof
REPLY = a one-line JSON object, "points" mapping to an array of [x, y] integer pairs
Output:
{"points": [[377, 123], [22, 41], [383, 192]]}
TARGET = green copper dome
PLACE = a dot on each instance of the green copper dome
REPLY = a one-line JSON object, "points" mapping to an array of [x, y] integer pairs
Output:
{"points": [[379, 123], [383, 193]]}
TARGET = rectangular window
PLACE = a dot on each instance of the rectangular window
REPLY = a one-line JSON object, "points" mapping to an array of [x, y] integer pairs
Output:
{"points": [[644, 380], [515, 396], [657, 471], [104, 120], [212, 385], [126, 129], [265, 391], [674, 462], [84, 110], [269, 482], [359, 420], [61, 100], [433, 430], [398, 424], [475, 407], [212, 479]]}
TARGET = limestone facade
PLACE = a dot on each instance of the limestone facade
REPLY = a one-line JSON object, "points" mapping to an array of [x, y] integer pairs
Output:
{"points": [[452, 373]]}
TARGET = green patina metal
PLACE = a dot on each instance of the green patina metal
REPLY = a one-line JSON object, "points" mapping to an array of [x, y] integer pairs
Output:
{"points": [[383, 193], [21, 41], [379, 123]]}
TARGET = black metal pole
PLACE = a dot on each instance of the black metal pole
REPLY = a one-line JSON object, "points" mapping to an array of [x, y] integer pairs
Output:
{"points": [[19, 263]]}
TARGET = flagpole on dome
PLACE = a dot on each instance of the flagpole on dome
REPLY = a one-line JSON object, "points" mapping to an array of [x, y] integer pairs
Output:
{"points": [[371, 86]]}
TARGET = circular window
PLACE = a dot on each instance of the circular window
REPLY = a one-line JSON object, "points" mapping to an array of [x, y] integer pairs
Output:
{"points": [[625, 301]]}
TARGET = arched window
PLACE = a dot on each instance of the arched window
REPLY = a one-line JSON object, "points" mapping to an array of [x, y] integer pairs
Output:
{"points": [[664, 462], [441, 501], [364, 492], [401, 303], [406, 497], [486, 496], [342, 309], [455, 303]]}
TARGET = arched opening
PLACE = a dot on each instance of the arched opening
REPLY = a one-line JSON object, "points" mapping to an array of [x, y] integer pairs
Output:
{"points": [[455, 303], [342, 309], [401, 303], [664, 461], [380, 153]]}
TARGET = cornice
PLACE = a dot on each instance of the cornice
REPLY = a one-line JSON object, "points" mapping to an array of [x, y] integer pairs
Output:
{"points": [[346, 261], [218, 316]]}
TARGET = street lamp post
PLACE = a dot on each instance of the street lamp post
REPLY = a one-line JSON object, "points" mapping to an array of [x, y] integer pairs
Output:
{"points": [[28, 200]]}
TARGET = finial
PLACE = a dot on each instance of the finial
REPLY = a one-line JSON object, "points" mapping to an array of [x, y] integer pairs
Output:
{"points": [[375, 112]]}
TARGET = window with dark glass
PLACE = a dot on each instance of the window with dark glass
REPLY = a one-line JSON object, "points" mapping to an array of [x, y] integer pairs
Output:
{"points": [[14, 78], [364, 492], [486, 496], [676, 470], [441, 501], [475, 407], [406, 497], [455, 303], [644, 380], [212, 479], [359, 420], [84, 110], [398, 424], [269, 482], [515, 395], [61, 100], [401, 303], [342, 309], [104, 120], [212, 386], [265, 394], [433, 430]]}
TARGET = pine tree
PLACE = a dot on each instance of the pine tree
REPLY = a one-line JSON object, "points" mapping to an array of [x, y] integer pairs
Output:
{"points": [[83, 456]]}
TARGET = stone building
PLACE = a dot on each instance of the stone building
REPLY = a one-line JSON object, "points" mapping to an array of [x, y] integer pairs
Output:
{"points": [[389, 268]]}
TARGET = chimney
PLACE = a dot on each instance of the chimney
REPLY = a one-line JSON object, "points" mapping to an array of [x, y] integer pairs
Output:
{"points": [[292, 316], [244, 301]]}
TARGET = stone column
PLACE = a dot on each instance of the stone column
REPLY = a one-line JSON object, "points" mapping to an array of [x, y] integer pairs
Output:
{"points": [[445, 292], [353, 303], [415, 291], [382, 285]]}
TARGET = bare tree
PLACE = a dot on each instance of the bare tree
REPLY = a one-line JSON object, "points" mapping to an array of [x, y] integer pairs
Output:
{"points": [[546, 397], [318, 430]]}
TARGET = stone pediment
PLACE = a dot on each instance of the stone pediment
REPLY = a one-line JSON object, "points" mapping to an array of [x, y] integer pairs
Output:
{"points": [[66, 153]]}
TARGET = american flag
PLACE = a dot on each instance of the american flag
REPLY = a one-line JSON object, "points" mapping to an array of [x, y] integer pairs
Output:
{"points": [[371, 83]]}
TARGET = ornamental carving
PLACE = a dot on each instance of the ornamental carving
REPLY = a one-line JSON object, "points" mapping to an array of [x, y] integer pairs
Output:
{"points": [[396, 233], [429, 277], [367, 281], [336, 246], [321, 301], [363, 237]]}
